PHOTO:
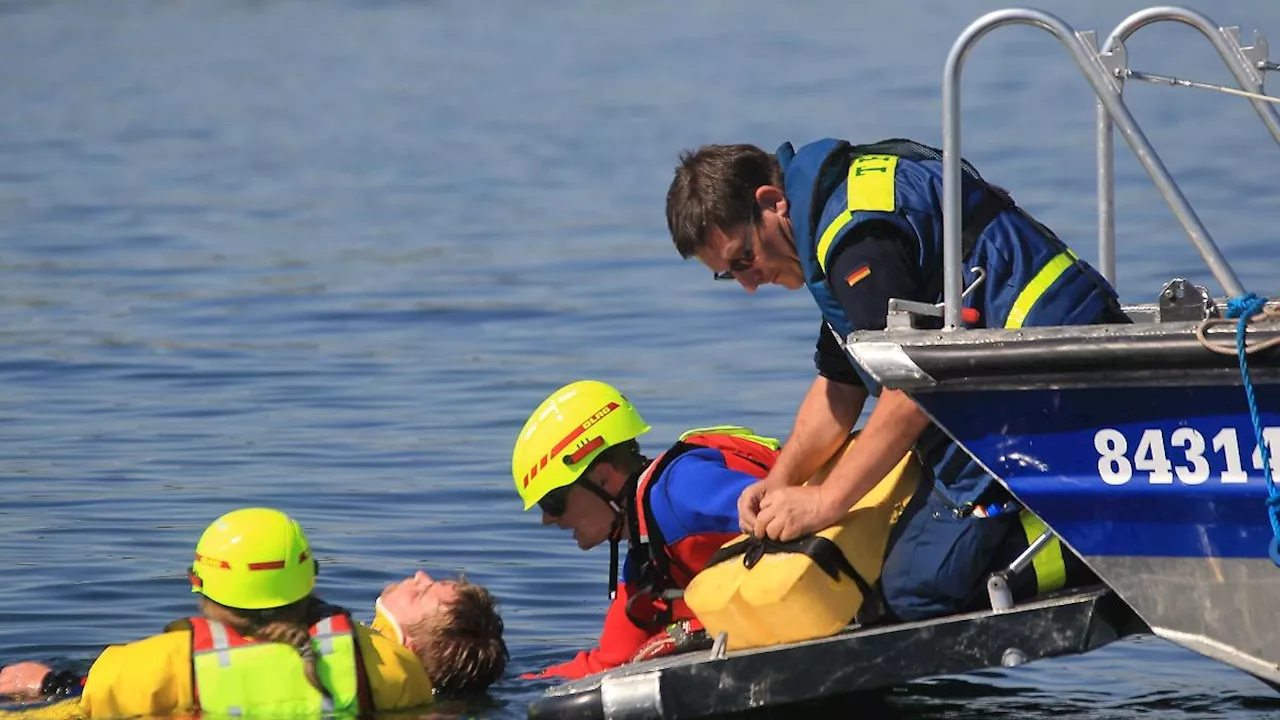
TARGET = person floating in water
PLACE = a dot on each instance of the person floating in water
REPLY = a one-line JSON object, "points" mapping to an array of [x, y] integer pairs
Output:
{"points": [[265, 643]]}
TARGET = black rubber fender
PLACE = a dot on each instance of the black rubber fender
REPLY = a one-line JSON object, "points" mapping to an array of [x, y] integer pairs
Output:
{"points": [[579, 706]]}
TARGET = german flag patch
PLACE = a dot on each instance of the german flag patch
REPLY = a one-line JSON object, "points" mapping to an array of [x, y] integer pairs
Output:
{"points": [[857, 276]]}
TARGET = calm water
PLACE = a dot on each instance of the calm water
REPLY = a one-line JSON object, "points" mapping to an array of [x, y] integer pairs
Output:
{"points": [[328, 255]]}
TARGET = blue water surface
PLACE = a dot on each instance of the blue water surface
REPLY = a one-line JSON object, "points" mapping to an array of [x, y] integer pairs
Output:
{"points": [[328, 255]]}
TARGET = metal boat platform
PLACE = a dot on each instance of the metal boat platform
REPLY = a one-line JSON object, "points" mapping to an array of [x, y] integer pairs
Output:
{"points": [[703, 684]]}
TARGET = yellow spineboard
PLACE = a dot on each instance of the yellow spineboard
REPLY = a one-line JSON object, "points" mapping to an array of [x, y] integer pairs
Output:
{"points": [[786, 597]]}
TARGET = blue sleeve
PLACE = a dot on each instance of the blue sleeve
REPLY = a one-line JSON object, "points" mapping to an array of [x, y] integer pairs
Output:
{"points": [[631, 562], [698, 494]]}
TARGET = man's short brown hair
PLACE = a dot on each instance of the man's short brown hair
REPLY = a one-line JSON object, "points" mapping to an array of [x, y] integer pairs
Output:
{"points": [[624, 456], [715, 186], [464, 653]]}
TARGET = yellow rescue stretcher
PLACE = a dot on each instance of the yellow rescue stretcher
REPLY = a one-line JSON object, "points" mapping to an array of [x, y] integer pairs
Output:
{"points": [[761, 592]]}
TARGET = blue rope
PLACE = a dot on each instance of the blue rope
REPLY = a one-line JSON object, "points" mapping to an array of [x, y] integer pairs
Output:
{"points": [[1245, 307]]}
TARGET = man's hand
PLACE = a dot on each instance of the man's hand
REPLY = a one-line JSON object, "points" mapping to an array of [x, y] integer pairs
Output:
{"points": [[749, 505], [23, 679], [792, 512]]}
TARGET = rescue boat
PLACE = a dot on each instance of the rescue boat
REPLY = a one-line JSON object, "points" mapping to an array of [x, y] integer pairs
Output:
{"points": [[1146, 448]]}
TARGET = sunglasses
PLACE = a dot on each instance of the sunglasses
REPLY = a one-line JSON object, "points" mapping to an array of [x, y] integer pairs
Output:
{"points": [[555, 502], [743, 261]]}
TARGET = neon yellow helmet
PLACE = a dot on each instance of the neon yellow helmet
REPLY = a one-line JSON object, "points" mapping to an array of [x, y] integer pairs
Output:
{"points": [[253, 558], [567, 432]]}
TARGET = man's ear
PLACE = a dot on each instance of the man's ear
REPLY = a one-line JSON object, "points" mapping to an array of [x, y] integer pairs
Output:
{"points": [[773, 198], [610, 478]]}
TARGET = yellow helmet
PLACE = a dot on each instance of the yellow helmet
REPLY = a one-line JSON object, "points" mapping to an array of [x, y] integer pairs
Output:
{"points": [[567, 432], [253, 558]]}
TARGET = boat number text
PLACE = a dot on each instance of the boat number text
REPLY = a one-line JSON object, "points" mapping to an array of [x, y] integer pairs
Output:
{"points": [[1183, 454]]}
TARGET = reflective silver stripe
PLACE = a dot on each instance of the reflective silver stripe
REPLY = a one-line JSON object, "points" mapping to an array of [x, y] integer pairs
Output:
{"points": [[324, 636], [221, 643], [235, 711]]}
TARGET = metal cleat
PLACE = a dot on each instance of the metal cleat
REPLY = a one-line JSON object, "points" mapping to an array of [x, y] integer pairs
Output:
{"points": [[1181, 301]]}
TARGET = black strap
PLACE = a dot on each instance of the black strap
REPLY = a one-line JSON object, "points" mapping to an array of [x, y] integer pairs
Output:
{"points": [[824, 553], [619, 507], [655, 569], [659, 603], [655, 579], [660, 559], [61, 683], [615, 503], [613, 566], [996, 201]]}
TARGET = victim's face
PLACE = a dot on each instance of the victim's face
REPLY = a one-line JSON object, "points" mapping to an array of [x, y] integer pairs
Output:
{"points": [[419, 598]]}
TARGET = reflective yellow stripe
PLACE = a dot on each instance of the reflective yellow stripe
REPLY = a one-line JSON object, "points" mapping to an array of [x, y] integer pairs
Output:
{"points": [[1047, 276], [829, 235], [871, 187], [1051, 570], [269, 677]]}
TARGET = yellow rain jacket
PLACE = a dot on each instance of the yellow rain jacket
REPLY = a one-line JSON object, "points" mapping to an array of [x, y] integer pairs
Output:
{"points": [[154, 677]]}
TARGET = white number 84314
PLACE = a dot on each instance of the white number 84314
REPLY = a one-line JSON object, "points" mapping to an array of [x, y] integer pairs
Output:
{"points": [[1116, 466]]}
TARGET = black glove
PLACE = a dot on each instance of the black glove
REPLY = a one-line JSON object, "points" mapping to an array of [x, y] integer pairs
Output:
{"points": [[678, 637]]}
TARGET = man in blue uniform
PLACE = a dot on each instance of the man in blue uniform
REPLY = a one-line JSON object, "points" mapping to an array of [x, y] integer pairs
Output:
{"points": [[858, 225]]}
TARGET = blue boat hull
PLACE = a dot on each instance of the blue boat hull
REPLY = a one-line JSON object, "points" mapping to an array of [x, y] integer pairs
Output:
{"points": [[1126, 471], [1160, 490]]}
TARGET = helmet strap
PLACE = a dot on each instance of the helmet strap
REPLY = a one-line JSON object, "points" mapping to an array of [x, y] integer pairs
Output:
{"points": [[613, 566], [617, 503], [613, 501], [615, 533]]}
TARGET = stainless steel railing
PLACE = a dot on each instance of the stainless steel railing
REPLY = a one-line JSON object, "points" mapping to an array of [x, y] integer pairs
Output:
{"points": [[1104, 75], [1246, 64]]}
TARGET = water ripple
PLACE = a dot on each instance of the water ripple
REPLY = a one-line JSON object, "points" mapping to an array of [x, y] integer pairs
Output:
{"points": [[327, 256]]}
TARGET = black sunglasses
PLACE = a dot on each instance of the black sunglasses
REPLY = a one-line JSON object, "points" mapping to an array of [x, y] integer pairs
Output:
{"points": [[555, 502], [744, 259]]}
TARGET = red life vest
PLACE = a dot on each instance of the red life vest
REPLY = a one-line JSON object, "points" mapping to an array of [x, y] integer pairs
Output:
{"points": [[661, 571]]}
